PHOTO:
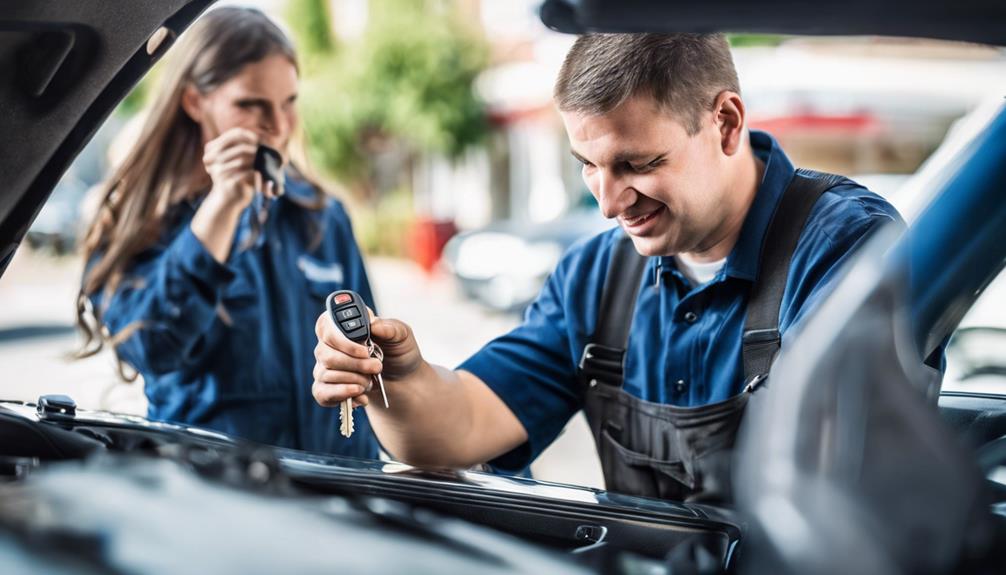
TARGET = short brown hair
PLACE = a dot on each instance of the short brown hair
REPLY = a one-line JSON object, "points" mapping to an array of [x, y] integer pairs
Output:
{"points": [[683, 72]]}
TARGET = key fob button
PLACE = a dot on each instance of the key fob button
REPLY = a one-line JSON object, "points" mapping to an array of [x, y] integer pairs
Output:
{"points": [[348, 313]]}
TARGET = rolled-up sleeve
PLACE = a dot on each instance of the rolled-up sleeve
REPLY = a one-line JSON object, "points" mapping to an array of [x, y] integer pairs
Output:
{"points": [[168, 302], [532, 371]]}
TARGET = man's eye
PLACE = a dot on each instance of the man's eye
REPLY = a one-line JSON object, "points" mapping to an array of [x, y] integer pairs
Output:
{"points": [[648, 166]]}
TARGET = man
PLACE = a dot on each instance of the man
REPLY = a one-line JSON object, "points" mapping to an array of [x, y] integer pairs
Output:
{"points": [[659, 125]]}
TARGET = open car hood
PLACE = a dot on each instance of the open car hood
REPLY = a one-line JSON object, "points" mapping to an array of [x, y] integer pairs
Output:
{"points": [[967, 20], [121, 478], [65, 65]]}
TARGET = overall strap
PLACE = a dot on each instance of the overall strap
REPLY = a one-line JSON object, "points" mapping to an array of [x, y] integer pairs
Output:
{"points": [[762, 340], [603, 357]]}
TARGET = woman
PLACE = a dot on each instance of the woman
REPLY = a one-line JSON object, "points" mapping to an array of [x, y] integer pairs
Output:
{"points": [[212, 296]]}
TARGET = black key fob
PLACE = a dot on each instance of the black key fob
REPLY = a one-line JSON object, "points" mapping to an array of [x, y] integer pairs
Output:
{"points": [[349, 313], [269, 163]]}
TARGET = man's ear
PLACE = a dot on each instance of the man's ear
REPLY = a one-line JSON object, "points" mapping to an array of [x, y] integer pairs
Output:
{"points": [[192, 103], [729, 115]]}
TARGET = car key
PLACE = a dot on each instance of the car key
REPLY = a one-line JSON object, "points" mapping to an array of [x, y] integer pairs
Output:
{"points": [[269, 163], [349, 313]]}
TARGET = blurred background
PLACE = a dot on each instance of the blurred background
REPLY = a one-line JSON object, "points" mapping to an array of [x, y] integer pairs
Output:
{"points": [[432, 120]]}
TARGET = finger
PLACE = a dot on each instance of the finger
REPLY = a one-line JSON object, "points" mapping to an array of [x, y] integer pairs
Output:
{"points": [[361, 401], [270, 190], [331, 336], [331, 395], [231, 177], [230, 138], [237, 165], [339, 361], [324, 375], [239, 134], [241, 150]]}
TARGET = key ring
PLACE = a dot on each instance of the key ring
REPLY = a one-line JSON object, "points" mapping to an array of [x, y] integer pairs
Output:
{"points": [[378, 353]]}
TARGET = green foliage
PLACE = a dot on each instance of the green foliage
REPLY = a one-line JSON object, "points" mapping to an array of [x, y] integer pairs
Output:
{"points": [[135, 99], [408, 79], [748, 40], [310, 25], [139, 96]]}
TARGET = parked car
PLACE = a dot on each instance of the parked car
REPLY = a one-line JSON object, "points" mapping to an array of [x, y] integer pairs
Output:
{"points": [[504, 264], [845, 467]]}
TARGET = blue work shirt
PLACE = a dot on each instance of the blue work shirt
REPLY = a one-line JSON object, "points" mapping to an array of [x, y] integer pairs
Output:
{"points": [[230, 346], [673, 356]]}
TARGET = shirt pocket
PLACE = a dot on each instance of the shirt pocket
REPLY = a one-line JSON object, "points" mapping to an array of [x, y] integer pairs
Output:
{"points": [[320, 277]]}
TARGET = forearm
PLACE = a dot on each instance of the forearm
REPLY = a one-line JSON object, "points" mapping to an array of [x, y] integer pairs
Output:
{"points": [[439, 417], [214, 224]]}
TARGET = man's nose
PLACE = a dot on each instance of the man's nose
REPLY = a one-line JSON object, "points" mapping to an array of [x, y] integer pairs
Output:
{"points": [[614, 196]]}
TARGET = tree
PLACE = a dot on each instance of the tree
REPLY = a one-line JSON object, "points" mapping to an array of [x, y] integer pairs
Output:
{"points": [[407, 84]]}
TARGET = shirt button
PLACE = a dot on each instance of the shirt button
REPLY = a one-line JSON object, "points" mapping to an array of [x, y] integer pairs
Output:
{"points": [[691, 317], [680, 385]]}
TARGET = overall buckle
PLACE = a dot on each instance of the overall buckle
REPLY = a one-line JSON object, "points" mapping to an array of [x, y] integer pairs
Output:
{"points": [[601, 363]]}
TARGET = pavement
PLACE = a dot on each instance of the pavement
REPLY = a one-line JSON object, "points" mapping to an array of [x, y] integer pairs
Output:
{"points": [[38, 343]]}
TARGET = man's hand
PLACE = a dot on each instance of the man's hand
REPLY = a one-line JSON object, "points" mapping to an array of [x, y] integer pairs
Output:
{"points": [[470, 424], [344, 369]]}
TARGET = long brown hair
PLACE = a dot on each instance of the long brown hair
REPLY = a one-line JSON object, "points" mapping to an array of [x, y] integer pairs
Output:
{"points": [[157, 173]]}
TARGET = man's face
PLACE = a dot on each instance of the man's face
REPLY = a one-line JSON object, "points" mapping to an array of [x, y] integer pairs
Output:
{"points": [[663, 186]]}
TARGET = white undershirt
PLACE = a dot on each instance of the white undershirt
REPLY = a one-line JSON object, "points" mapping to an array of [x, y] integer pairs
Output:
{"points": [[697, 272]]}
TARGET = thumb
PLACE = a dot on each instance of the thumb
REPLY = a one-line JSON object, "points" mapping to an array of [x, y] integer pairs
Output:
{"points": [[388, 331]]}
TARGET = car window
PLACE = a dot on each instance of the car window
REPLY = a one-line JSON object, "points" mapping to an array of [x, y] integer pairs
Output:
{"points": [[976, 354]]}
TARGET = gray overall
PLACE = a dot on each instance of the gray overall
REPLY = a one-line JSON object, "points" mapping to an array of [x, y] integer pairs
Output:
{"points": [[668, 451]]}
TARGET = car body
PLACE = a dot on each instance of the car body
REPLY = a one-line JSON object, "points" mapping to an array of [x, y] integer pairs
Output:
{"points": [[504, 264], [95, 447], [845, 467]]}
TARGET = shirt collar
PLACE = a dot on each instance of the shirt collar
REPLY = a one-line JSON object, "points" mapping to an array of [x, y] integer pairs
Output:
{"points": [[296, 188], [745, 257]]}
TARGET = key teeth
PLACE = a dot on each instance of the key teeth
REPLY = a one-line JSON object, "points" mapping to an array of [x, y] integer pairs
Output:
{"points": [[346, 420]]}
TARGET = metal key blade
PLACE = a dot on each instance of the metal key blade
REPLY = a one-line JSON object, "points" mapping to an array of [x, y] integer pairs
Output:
{"points": [[346, 417], [376, 351], [380, 382]]}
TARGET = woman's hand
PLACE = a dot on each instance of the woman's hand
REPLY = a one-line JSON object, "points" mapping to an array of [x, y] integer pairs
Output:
{"points": [[230, 162]]}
